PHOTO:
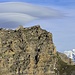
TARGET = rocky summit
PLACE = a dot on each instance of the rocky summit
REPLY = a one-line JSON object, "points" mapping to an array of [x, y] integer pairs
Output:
{"points": [[31, 51]]}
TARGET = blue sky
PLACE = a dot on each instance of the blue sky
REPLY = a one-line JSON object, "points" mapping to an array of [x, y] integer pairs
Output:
{"points": [[56, 16], [45, 2]]}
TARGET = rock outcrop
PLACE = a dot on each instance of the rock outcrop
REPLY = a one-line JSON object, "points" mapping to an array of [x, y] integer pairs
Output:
{"points": [[30, 51]]}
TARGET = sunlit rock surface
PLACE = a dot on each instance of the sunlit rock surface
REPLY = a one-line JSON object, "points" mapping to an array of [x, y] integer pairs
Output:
{"points": [[30, 51]]}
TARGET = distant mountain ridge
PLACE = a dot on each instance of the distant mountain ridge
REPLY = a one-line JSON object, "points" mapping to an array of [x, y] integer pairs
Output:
{"points": [[70, 54]]}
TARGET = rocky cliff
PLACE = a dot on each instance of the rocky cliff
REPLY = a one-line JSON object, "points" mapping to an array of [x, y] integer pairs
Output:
{"points": [[30, 51]]}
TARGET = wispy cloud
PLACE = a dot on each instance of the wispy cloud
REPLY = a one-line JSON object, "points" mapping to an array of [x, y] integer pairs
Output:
{"points": [[21, 13]]}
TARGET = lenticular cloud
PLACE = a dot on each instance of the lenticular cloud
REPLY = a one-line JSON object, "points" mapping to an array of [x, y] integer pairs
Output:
{"points": [[13, 14]]}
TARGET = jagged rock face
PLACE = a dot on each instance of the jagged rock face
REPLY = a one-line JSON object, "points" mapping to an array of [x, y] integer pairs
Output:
{"points": [[30, 51], [26, 51]]}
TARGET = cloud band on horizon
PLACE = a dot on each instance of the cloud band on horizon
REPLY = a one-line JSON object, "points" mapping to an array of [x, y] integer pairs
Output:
{"points": [[21, 13]]}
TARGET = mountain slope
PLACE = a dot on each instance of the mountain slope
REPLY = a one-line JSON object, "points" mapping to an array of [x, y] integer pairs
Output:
{"points": [[30, 51], [70, 54]]}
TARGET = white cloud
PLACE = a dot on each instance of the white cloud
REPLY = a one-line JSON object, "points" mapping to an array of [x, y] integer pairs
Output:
{"points": [[21, 13], [16, 17]]}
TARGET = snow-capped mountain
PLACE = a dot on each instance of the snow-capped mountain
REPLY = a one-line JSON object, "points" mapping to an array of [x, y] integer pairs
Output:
{"points": [[70, 54]]}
